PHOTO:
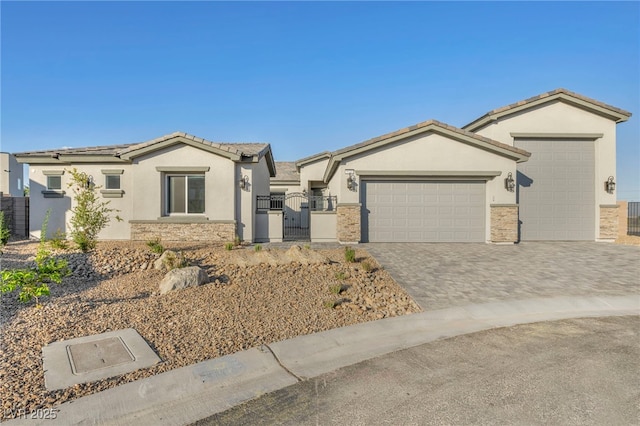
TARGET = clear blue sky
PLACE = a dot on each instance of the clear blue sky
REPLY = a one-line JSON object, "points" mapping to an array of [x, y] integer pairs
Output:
{"points": [[305, 77]]}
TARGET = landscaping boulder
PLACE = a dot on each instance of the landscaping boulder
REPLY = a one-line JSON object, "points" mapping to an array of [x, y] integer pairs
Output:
{"points": [[180, 278]]}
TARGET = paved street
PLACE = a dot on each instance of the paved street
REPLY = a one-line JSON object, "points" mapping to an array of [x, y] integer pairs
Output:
{"points": [[573, 372], [446, 275]]}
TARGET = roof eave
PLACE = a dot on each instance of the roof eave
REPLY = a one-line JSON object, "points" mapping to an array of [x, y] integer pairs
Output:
{"points": [[616, 115]]}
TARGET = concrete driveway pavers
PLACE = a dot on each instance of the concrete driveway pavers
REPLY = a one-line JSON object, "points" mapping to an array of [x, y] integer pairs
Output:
{"points": [[447, 275]]}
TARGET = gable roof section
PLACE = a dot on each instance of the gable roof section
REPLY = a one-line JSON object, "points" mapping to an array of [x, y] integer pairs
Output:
{"points": [[596, 107], [252, 152], [313, 158], [286, 172], [433, 126]]}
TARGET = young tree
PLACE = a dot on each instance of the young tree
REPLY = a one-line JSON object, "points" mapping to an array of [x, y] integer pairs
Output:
{"points": [[90, 214]]}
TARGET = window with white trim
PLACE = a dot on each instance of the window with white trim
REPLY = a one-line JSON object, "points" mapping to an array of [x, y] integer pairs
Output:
{"points": [[54, 183], [184, 194]]}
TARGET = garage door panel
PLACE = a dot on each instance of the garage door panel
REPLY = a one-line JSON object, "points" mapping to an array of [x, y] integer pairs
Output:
{"points": [[556, 190], [425, 211]]}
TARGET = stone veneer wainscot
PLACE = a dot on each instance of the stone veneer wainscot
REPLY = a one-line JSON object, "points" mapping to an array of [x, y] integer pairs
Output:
{"points": [[608, 222], [504, 223], [146, 230], [348, 223]]}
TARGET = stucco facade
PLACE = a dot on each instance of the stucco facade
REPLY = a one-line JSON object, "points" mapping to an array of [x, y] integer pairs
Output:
{"points": [[443, 183]]}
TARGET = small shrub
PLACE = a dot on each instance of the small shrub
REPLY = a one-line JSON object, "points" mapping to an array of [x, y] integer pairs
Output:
{"points": [[366, 266], [174, 261], [229, 246], [155, 246], [34, 282], [341, 275], [59, 240], [349, 254], [307, 247], [237, 241], [5, 234], [335, 288], [330, 304], [257, 248]]}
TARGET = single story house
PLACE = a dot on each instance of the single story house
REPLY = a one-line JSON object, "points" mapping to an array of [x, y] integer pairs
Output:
{"points": [[539, 169]]}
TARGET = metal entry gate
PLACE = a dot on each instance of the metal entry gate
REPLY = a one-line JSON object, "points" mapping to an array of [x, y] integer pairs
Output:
{"points": [[296, 216]]}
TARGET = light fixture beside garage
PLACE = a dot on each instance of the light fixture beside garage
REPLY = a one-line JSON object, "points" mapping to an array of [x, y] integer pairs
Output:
{"points": [[509, 183], [351, 179], [610, 185], [244, 182]]}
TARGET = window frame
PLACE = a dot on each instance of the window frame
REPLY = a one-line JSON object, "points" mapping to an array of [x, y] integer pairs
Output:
{"points": [[49, 178], [106, 181], [167, 194]]}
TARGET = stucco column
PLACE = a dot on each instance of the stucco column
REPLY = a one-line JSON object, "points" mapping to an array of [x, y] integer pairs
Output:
{"points": [[348, 223], [608, 222], [504, 223]]}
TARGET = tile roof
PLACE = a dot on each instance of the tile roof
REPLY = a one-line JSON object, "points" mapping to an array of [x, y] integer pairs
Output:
{"points": [[552, 93], [245, 149], [286, 171], [555, 92], [427, 124]]}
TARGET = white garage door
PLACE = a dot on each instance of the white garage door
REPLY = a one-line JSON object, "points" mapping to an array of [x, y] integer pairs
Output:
{"points": [[556, 190], [405, 211]]}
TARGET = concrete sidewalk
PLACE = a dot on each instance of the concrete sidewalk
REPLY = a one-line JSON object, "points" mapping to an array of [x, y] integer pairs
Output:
{"points": [[187, 394]]}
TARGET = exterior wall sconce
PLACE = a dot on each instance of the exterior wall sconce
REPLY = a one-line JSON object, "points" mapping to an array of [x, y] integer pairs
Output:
{"points": [[351, 182], [244, 182], [610, 185], [89, 182], [509, 183]]}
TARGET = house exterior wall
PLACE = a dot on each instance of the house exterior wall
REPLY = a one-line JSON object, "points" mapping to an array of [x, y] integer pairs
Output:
{"points": [[61, 206], [11, 175], [323, 226], [430, 152], [249, 227], [560, 118], [313, 172]]}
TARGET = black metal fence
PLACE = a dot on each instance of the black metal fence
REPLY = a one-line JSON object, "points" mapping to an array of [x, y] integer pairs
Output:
{"points": [[633, 218], [314, 202]]}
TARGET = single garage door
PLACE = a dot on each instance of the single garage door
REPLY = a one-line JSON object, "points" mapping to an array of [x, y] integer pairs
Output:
{"points": [[407, 211], [556, 190]]}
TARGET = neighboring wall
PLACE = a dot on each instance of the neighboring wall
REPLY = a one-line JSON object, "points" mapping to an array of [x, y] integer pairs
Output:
{"points": [[16, 215], [11, 175]]}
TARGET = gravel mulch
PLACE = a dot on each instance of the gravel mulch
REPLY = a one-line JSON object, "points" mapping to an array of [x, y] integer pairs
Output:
{"points": [[243, 306]]}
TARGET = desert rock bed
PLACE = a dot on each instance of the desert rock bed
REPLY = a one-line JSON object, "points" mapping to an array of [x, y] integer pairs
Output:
{"points": [[245, 304]]}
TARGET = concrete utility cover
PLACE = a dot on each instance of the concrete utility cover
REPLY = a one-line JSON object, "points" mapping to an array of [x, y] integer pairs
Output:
{"points": [[103, 353], [90, 358]]}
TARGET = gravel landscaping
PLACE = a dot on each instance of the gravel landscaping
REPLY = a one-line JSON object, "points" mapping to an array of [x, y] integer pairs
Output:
{"points": [[245, 304]]}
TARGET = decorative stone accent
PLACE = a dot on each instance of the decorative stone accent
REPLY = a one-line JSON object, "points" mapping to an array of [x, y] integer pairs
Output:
{"points": [[623, 218], [504, 223], [348, 223], [180, 278], [608, 221], [196, 231]]}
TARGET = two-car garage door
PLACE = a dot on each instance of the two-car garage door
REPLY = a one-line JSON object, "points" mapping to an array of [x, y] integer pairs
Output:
{"points": [[423, 211]]}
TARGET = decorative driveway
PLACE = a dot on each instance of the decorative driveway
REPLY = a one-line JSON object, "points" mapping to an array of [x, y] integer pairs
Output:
{"points": [[441, 275]]}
